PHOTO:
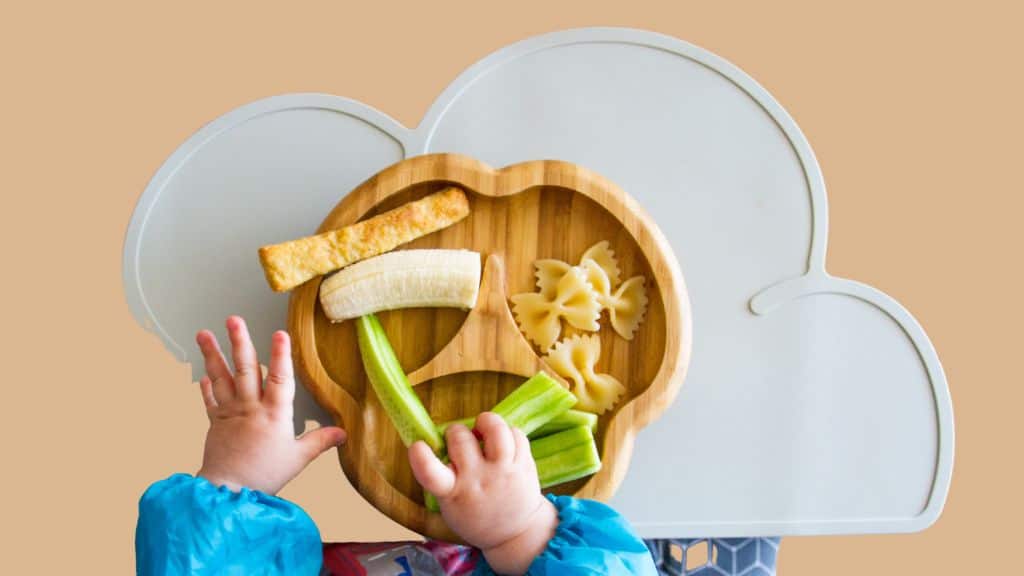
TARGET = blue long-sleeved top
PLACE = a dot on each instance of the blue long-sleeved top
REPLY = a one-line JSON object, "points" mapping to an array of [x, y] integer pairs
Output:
{"points": [[188, 526]]}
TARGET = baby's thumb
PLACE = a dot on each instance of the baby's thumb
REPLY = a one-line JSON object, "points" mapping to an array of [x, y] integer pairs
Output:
{"points": [[430, 472], [316, 442]]}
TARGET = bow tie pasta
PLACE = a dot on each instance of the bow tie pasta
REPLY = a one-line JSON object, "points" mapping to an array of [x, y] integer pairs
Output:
{"points": [[574, 293], [575, 359]]}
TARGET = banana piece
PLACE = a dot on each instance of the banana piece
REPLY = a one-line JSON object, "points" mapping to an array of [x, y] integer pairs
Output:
{"points": [[403, 279]]}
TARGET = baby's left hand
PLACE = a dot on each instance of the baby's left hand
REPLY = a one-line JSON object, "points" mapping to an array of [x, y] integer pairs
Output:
{"points": [[251, 441]]}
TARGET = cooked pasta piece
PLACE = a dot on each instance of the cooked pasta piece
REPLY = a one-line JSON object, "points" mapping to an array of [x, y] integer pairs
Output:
{"points": [[574, 300], [575, 360], [627, 307], [605, 258], [549, 272]]}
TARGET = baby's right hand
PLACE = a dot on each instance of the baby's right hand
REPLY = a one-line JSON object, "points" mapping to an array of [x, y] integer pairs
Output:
{"points": [[490, 497]]}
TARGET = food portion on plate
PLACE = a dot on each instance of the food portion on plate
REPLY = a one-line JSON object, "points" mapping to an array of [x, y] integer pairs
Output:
{"points": [[367, 277], [575, 359], [289, 264], [403, 279], [578, 295]]}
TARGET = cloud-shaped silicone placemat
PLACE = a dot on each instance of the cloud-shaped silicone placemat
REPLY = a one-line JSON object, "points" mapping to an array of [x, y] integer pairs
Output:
{"points": [[812, 405]]}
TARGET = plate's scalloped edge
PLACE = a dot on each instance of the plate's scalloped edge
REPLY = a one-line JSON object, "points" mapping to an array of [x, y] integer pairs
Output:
{"points": [[131, 282], [482, 178]]}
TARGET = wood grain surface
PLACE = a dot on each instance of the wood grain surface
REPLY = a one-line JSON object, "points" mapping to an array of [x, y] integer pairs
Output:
{"points": [[540, 209]]}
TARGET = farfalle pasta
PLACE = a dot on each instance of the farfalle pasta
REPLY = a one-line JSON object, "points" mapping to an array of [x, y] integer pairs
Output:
{"points": [[575, 360], [626, 303], [572, 298]]}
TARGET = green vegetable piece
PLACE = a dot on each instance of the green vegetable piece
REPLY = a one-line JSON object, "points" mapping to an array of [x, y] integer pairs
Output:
{"points": [[565, 456], [564, 421], [534, 403], [392, 387], [555, 443], [570, 419]]}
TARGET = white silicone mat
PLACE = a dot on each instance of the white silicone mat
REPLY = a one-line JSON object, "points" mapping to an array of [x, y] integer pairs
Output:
{"points": [[813, 404]]}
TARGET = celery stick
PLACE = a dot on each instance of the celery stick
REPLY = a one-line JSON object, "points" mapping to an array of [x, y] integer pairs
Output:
{"points": [[555, 443], [565, 456], [392, 387], [569, 419], [564, 421], [534, 403]]}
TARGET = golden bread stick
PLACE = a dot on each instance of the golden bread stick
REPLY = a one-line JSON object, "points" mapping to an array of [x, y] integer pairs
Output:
{"points": [[289, 264]]}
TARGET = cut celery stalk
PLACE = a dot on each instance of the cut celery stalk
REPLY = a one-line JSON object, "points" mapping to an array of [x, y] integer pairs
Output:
{"points": [[534, 403], [392, 387], [565, 456], [570, 419], [564, 421], [555, 443]]}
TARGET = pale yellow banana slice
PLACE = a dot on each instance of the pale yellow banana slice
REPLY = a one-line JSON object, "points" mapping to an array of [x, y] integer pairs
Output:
{"points": [[403, 279]]}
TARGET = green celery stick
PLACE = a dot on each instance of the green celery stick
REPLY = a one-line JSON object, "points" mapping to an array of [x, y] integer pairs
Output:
{"points": [[543, 447], [564, 421], [565, 456], [534, 403], [570, 419], [392, 387]]}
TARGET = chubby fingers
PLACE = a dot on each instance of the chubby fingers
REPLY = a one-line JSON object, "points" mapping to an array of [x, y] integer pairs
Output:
{"points": [[248, 379], [463, 448], [222, 384], [431, 473], [280, 389], [206, 390], [499, 444]]}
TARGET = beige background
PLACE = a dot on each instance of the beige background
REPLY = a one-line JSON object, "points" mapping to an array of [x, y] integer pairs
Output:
{"points": [[913, 111]]}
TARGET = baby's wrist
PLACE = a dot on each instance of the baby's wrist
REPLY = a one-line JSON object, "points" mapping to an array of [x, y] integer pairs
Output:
{"points": [[218, 480], [515, 555]]}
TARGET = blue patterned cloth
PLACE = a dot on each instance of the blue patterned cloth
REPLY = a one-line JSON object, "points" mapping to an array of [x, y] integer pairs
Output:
{"points": [[716, 556]]}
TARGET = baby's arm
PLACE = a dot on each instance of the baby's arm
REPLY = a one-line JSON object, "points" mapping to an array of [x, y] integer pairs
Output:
{"points": [[226, 518], [491, 497]]}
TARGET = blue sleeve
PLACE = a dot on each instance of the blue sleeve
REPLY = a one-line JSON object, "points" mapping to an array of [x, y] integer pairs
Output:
{"points": [[189, 526], [591, 539]]}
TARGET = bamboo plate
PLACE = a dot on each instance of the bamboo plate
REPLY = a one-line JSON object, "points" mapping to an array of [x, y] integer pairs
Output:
{"points": [[463, 363]]}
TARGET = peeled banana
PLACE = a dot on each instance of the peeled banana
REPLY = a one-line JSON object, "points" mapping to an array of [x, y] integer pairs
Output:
{"points": [[403, 279]]}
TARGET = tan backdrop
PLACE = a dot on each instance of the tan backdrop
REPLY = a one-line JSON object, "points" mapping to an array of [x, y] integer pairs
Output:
{"points": [[913, 110]]}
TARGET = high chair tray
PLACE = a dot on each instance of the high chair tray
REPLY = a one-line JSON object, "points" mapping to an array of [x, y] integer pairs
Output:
{"points": [[812, 404]]}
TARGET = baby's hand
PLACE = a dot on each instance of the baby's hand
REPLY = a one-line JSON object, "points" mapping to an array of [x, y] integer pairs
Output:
{"points": [[251, 441], [490, 497]]}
